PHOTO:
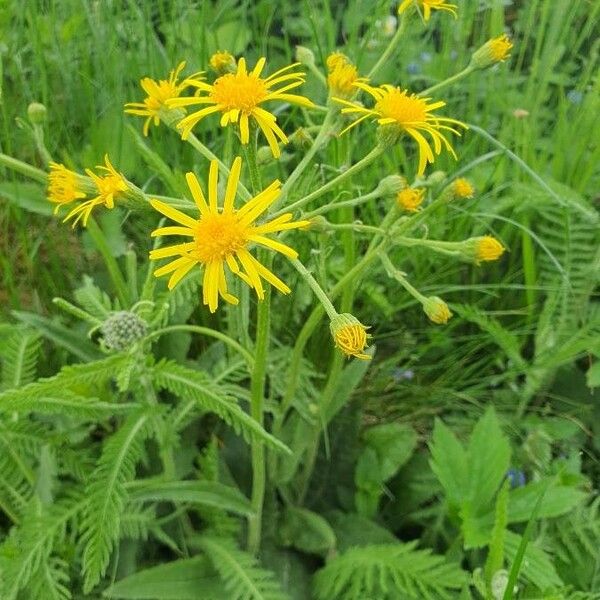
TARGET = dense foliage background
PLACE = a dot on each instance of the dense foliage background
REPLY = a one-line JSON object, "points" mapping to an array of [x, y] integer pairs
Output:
{"points": [[408, 489]]}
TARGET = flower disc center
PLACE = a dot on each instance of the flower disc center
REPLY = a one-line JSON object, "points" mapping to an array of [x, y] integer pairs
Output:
{"points": [[241, 91]]}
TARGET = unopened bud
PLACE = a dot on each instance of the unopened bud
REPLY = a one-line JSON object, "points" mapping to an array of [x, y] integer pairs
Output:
{"points": [[436, 177], [36, 113], [223, 62], [391, 185], [482, 249], [301, 139], [122, 329], [305, 55], [493, 51], [437, 310]]}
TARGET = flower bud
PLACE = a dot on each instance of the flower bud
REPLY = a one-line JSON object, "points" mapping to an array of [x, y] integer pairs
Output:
{"points": [[437, 310], [319, 224], [349, 335], [493, 51], [305, 55], [36, 113], [223, 62], [122, 329], [391, 185], [483, 249], [301, 139], [410, 199], [436, 177], [264, 155]]}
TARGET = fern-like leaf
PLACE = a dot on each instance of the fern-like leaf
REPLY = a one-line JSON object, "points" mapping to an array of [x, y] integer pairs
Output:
{"points": [[93, 299], [27, 556], [189, 384], [19, 353], [107, 495], [240, 573], [388, 572]]}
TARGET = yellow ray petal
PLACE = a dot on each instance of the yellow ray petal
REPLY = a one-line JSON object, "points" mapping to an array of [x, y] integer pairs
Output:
{"points": [[174, 214], [197, 193]]}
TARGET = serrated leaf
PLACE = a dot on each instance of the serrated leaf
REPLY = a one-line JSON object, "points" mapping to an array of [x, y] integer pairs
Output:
{"points": [[307, 531]]}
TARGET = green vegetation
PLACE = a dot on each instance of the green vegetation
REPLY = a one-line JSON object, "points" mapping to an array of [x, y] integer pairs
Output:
{"points": [[153, 450]]}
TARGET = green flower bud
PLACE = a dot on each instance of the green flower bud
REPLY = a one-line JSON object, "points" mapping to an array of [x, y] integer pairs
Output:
{"points": [[437, 310], [36, 113], [305, 55], [391, 185], [122, 329]]}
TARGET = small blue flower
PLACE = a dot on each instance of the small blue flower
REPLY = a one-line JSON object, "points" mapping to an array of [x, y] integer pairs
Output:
{"points": [[413, 68], [400, 374], [516, 478], [575, 97]]}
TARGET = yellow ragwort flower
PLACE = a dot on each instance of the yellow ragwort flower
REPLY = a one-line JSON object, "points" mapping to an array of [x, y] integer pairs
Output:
{"points": [[410, 199], [222, 237], [463, 188], [437, 310], [493, 51], [342, 76], [427, 6], [158, 94], [488, 248], [222, 62], [349, 335], [63, 186], [107, 187], [238, 97], [399, 112]]}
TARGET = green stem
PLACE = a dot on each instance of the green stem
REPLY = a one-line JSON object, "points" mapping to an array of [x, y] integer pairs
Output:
{"points": [[324, 134], [316, 288], [23, 168], [355, 227], [209, 333], [353, 170], [391, 47], [399, 276], [257, 381], [257, 392], [346, 203], [453, 79], [110, 261]]}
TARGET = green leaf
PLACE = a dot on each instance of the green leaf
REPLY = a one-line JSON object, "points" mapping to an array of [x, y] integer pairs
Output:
{"points": [[558, 500], [388, 572], [185, 579], [28, 196], [205, 493], [537, 567], [306, 531], [449, 463], [388, 447], [495, 558], [243, 578], [593, 375], [355, 530], [489, 459]]}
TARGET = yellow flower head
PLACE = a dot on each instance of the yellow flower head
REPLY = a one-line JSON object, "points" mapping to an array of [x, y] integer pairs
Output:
{"points": [[410, 199], [437, 310], [427, 6], [463, 188], [350, 335], [158, 94], [238, 97], [63, 186], [487, 248], [222, 236], [222, 62], [342, 76], [107, 187], [399, 112], [493, 51]]}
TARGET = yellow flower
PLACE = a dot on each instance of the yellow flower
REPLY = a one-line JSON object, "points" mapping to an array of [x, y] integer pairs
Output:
{"points": [[493, 51], [410, 199], [158, 94], [437, 310], [63, 186], [222, 237], [488, 248], [107, 187], [463, 188], [350, 335], [399, 112], [238, 97], [342, 76], [222, 62], [427, 6]]}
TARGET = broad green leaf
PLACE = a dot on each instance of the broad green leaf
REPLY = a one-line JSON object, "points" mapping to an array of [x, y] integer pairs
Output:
{"points": [[205, 493], [355, 530], [185, 579], [489, 459], [593, 375], [558, 500], [307, 531], [449, 463], [28, 196]]}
